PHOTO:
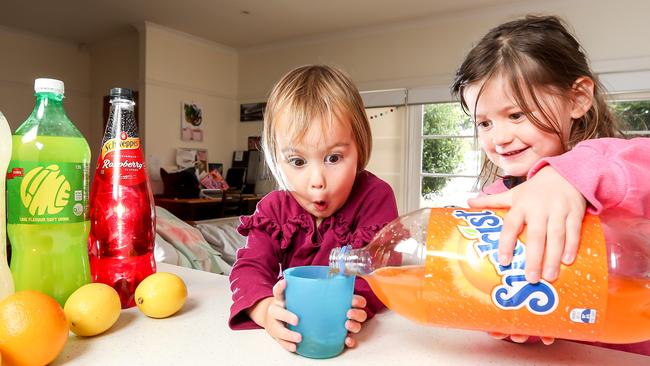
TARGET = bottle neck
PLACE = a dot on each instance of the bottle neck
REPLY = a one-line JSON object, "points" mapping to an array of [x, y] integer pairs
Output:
{"points": [[348, 261], [49, 107], [48, 118], [121, 118], [122, 104]]}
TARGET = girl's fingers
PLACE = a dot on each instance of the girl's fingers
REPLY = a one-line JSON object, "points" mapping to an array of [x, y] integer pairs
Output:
{"points": [[497, 335], [547, 340], [573, 227], [289, 346], [518, 338], [359, 301], [281, 314], [278, 290], [555, 237], [357, 315], [350, 342], [281, 333], [501, 200], [512, 225], [536, 241], [352, 326]]}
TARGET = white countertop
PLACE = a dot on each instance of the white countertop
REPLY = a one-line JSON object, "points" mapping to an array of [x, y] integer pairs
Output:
{"points": [[199, 334]]}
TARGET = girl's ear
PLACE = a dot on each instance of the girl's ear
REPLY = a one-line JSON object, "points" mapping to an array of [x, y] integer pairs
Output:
{"points": [[582, 96]]}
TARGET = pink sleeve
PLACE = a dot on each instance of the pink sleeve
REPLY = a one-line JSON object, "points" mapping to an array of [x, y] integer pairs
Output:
{"points": [[494, 188], [610, 173]]}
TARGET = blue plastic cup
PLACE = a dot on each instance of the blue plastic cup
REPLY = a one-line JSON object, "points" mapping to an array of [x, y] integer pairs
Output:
{"points": [[321, 302]]}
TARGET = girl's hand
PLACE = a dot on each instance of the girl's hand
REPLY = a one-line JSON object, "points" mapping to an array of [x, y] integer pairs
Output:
{"points": [[356, 317], [277, 315], [553, 211], [518, 338]]}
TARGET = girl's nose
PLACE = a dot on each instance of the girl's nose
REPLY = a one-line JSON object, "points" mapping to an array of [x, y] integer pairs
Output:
{"points": [[317, 178], [502, 134]]}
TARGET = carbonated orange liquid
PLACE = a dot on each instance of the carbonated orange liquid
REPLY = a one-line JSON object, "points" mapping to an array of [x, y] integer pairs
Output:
{"points": [[415, 293], [440, 266]]}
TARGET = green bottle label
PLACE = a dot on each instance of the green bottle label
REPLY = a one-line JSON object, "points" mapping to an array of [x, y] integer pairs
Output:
{"points": [[46, 193]]}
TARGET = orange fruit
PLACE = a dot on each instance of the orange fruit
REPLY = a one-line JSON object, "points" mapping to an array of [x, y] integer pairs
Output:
{"points": [[33, 329]]}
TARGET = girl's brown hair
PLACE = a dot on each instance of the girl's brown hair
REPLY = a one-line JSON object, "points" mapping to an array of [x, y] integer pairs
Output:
{"points": [[536, 53], [314, 92]]}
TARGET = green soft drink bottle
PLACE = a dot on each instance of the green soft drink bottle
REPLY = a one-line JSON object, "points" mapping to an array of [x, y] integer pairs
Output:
{"points": [[47, 199]]}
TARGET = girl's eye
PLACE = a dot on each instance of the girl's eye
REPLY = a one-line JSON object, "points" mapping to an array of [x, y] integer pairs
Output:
{"points": [[516, 116], [296, 161], [483, 125], [333, 159]]}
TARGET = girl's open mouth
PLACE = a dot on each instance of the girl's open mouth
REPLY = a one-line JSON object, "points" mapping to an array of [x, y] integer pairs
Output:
{"points": [[320, 205]]}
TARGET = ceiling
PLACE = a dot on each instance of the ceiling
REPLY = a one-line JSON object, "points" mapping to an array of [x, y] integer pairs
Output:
{"points": [[234, 23]]}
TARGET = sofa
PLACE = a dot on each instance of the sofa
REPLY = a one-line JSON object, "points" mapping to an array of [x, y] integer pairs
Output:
{"points": [[208, 245]]}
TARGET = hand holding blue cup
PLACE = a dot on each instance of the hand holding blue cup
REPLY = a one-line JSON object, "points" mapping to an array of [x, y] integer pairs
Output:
{"points": [[321, 301]]}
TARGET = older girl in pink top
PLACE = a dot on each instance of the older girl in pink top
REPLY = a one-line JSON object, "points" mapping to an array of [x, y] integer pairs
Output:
{"points": [[317, 141], [542, 121]]}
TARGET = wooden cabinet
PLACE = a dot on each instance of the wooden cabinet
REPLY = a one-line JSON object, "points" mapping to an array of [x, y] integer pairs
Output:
{"points": [[195, 209]]}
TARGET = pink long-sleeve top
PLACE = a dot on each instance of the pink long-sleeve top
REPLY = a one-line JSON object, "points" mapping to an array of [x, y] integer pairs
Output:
{"points": [[613, 175], [281, 234]]}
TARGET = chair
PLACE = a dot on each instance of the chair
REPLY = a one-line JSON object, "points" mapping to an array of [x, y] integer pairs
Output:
{"points": [[180, 184], [235, 177]]}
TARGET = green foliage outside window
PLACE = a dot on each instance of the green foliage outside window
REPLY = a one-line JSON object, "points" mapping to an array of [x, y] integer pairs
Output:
{"points": [[442, 155], [634, 115]]}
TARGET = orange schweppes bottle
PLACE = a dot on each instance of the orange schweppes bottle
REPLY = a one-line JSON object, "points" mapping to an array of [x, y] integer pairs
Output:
{"points": [[439, 266]]}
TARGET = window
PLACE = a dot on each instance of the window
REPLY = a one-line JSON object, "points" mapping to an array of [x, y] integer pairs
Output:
{"points": [[449, 161], [634, 116], [448, 164], [387, 157]]}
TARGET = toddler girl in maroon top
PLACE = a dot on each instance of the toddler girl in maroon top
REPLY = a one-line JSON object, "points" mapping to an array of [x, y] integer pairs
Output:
{"points": [[317, 142]]}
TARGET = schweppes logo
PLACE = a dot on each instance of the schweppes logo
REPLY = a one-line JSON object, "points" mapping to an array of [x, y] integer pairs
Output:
{"points": [[130, 143], [45, 190]]}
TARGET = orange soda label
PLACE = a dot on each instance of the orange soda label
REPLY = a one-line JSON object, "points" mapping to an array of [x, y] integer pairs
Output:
{"points": [[462, 259]]}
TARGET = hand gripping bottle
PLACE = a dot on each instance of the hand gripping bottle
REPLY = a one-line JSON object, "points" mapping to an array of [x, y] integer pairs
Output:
{"points": [[122, 214], [440, 267], [47, 199], [6, 282]]}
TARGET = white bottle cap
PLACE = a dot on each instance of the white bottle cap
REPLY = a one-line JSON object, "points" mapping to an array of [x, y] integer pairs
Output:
{"points": [[43, 85]]}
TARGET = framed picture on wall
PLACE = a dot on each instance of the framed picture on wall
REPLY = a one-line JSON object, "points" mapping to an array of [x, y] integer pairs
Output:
{"points": [[251, 112], [191, 122]]}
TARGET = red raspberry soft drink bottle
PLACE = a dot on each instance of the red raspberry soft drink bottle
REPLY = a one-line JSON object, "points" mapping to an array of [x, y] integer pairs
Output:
{"points": [[122, 215]]}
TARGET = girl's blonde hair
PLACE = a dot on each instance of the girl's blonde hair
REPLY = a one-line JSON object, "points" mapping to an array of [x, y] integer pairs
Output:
{"points": [[314, 92], [536, 53]]}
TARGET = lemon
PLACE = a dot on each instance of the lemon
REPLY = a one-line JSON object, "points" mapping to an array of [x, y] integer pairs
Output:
{"points": [[92, 309], [160, 295]]}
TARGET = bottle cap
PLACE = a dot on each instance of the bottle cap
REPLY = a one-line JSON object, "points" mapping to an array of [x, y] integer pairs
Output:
{"points": [[43, 85], [121, 93]]}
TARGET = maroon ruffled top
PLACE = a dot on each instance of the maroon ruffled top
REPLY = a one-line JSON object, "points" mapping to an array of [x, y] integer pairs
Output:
{"points": [[281, 234]]}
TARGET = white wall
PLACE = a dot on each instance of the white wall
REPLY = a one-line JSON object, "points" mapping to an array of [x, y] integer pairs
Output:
{"points": [[26, 57], [179, 67], [114, 63], [427, 52]]}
